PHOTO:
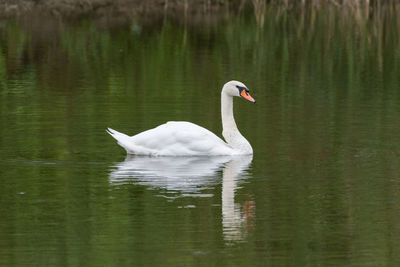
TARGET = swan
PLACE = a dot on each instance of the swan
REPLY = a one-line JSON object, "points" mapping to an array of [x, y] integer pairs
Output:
{"points": [[181, 138]]}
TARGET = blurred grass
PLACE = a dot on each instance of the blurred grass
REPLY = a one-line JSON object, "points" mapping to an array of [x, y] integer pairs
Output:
{"points": [[197, 11]]}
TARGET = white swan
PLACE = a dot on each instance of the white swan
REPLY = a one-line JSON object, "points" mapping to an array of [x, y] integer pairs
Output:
{"points": [[180, 138]]}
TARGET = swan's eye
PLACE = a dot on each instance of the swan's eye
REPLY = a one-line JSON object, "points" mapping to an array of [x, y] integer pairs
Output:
{"points": [[243, 91], [241, 88]]}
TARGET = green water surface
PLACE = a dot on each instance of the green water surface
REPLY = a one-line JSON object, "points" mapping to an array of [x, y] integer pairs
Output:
{"points": [[323, 185]]}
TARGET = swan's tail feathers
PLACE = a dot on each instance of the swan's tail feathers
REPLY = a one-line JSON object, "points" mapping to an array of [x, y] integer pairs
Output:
{"points": [[116, 135], [122, 139]]}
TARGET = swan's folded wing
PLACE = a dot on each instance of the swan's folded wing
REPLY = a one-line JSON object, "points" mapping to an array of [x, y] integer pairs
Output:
{"points": [[180, 138]]}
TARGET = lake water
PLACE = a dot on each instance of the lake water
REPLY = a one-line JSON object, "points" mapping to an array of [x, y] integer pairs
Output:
{"points": [[323, 185]]}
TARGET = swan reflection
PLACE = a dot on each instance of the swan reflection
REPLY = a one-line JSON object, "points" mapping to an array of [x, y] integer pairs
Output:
{"points": [[174, 174], [189, 176], [236, 217]]}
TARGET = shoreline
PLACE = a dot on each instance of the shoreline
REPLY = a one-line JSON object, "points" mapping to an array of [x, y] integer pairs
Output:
{"points": [[100, 8], [152, 14], [150, 9]]}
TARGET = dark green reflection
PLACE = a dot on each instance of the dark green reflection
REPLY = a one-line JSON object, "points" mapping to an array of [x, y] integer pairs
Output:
{"points": [[323, 187]]}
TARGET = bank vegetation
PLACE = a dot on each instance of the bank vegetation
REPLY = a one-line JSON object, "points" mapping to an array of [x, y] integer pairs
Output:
{"points": [[186, 9]]}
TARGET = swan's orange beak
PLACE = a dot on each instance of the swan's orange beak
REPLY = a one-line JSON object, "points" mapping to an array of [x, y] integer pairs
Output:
{"points": [[247, 96]]}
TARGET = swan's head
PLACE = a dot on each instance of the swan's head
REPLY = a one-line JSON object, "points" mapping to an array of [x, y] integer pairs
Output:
{"points": [[236, 88]]}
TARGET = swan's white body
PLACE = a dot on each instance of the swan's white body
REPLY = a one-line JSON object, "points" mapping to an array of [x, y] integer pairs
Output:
{"points": [[180, 138]]}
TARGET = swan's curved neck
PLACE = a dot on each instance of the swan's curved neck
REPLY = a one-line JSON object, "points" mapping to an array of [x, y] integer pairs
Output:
{"points": [[229, 129], [228, 121]]}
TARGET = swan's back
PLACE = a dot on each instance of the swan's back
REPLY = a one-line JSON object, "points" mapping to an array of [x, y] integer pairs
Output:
{"points": [[174, 138]]}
